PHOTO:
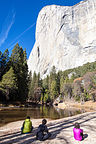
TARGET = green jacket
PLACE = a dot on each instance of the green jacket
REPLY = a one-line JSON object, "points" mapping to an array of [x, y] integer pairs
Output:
{"points": [[27, 126]]}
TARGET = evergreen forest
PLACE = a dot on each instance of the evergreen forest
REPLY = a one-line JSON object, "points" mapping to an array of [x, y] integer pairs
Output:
{"points": [[17, 84]]}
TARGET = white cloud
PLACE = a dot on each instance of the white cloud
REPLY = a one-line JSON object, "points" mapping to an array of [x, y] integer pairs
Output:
{"points": [[6, 27]]}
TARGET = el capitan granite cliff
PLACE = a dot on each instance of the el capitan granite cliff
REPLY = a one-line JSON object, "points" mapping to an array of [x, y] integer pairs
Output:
{"points": [[65, 37]]}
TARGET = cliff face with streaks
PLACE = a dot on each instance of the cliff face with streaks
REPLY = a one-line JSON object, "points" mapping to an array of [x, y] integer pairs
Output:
{"points": [[65, 37]]}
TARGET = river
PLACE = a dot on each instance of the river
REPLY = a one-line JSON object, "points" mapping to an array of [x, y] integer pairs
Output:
{"points": [[14, 114]]}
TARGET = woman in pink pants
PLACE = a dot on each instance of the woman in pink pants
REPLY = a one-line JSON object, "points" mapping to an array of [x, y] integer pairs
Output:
{"points": [[78, 133]]}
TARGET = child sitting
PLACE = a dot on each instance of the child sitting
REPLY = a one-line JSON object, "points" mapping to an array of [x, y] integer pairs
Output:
{"points": [[78, 133], [42, 132]]}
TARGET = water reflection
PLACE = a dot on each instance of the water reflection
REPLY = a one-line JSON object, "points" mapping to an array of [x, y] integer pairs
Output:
{"points": [[9, 115]]}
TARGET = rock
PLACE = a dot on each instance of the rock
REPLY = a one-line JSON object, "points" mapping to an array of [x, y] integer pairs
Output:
{"points": [[65, 37], [70, 74], [57, 101], [11, 105], [62, 105]]}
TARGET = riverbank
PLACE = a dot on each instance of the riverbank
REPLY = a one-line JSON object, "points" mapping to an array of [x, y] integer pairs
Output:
{"points": [[61, 131], [19, 104], [89, 106]]}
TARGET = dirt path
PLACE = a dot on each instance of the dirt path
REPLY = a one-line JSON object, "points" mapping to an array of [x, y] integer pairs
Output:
{"points": [[61, 131]]}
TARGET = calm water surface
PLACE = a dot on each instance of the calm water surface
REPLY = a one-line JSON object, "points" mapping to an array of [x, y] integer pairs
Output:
{"points": [[13, 114]]}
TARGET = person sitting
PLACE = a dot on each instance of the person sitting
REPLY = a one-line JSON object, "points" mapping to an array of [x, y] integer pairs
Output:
{"points": [[27, 126], [78, 133], [42, 132]]}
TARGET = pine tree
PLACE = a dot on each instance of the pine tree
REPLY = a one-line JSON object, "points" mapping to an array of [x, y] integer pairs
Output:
{"points": [[0, 64], [8, 83], [58, 82], [39, 81], [32, 86], [45, 83], [62, 84], [25, 74], [53, 90], [4, 58], [29, 85], [53, 84], [19, 63]]}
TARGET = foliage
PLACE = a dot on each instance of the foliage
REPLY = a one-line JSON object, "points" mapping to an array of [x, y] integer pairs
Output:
{"points": [[4, 59], [86, 96], [8, 83], [14, 73], [68, 90], [60, 84], [18, 61], [16, 84], [35, 89], [53, 90]]}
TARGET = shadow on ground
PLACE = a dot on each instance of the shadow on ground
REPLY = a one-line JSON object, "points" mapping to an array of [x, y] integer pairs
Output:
{"points": [[54, 127]]}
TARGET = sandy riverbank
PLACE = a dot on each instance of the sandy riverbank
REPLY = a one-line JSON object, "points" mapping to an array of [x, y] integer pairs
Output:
{"points": [[88, 106], [61, 131]]}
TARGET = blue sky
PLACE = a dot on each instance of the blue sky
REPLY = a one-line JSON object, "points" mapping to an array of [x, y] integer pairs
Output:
{"points": [[18, 21]]}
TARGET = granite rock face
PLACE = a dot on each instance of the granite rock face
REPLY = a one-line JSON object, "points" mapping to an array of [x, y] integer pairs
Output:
{"points": [[65, 37]]}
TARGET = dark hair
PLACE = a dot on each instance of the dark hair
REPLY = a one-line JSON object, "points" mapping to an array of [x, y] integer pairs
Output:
{"points": [[44, 121], [28, 117], [77, 125]]}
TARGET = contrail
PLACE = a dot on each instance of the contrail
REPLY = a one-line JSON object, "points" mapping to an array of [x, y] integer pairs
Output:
{"points": [[9, 21], [12, 43]]}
